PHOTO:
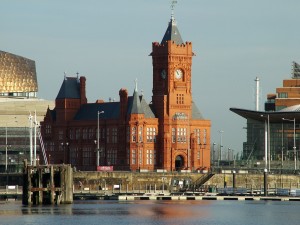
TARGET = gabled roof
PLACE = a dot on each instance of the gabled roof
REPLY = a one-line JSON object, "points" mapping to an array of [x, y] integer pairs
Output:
{"points": [[70, 88], [172, 33]]}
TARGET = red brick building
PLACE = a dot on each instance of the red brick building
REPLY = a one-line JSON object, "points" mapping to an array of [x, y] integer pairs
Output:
{"points": [[131, 134]]}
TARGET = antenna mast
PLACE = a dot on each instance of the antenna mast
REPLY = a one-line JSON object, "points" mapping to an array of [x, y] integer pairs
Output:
{"points": [[257, 94]]}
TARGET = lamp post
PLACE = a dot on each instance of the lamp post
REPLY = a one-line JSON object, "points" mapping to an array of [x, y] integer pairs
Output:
{"points": [[220, 153], [6, 149], [213, 153], [98, 153], [228, 155], [64, 145], [267, 141], [294, 147]]}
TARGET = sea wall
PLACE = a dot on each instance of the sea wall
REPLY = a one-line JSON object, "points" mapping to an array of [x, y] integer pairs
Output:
{"points": [[131, 181]]}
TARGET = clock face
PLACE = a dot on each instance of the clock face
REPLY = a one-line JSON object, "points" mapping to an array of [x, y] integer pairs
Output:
{"points": [[178, 74], [163, 74]]}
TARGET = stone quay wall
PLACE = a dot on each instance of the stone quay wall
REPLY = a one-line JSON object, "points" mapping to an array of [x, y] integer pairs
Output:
{"points": [[172, 182]]}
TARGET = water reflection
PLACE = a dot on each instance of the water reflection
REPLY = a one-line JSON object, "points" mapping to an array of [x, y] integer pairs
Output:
{"points": [[170, 210], [153, 212]]}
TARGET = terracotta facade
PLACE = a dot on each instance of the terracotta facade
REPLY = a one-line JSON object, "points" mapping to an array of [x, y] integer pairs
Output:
{"points": [[168, 134]]}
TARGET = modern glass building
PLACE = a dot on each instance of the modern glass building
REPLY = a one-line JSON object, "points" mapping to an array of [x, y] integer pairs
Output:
{"points": [[273, 129], [275, 133]]}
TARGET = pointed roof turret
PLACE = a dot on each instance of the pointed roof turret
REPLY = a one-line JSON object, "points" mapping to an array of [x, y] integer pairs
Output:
{"points": [[136, 107], [172, 32]]}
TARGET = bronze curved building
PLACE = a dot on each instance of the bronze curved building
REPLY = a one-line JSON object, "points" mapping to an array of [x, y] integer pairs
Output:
{"points": [[17, 76]]}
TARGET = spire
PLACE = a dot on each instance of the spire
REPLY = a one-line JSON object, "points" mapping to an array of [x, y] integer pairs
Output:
{"points": [[135, 107], [136, 83], [172, 32]]}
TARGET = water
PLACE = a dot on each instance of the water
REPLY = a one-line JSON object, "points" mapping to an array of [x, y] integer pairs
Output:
{"points": [[153, 212]]}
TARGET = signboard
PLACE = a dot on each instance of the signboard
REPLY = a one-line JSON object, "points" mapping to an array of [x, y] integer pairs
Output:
{"points": [[105, 168]]}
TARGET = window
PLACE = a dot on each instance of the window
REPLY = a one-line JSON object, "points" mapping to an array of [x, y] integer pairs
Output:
{"points": [[173, 135], [107, 135], [73, 155], [204, 136], [91, 134], [141, 134], [149, 160], [112, 156], [114, 135], [282, 95], [198, 155], [77, 134], [102, 135], [140, 156], [85, 134], [71, 133], [151, 134], [181, 135], [180, 99], [133, 134], [48, 129], [60, 135], [197, 134], [133, 158], [87, 156]]}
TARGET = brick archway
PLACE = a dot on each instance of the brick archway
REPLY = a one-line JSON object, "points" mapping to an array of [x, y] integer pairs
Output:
{"points": [[179, 162]]}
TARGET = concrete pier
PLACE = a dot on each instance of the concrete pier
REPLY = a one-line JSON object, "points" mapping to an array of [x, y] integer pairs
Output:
{"points": [[47, 184]]}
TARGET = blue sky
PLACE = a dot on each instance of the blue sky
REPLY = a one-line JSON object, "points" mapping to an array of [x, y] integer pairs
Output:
{"points": [[109, 42]]}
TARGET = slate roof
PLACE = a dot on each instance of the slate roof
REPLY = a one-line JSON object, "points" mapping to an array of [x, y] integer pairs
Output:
{"points": [[138, 105], [135, 104], [172, 33], [196, 114], [111, 110], [70, 88]]}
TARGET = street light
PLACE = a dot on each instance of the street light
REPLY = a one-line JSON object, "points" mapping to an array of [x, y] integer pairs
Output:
{"points": [[213, 153], [64, 145], [98, 154], [267, 141], [6, 149], [220, 153], [295, 156]]}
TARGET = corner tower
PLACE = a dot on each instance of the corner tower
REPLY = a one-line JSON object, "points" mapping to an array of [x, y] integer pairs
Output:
{"points": [[172, 62], [179, 128]]}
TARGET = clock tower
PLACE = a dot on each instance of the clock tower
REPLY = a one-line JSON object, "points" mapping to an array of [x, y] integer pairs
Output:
{"points": [[172, 97]]}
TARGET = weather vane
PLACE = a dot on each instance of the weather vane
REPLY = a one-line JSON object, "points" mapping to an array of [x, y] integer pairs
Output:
{"points": [[172, 8], [173, 4]]}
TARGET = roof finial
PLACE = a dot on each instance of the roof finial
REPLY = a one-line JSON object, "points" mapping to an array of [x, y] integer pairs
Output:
{"points": [[65, 75], [172, 8], [136, 81]]}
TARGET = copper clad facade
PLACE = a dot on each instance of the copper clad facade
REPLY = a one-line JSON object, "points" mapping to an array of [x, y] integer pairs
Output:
{"points": [[17, 74]]}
